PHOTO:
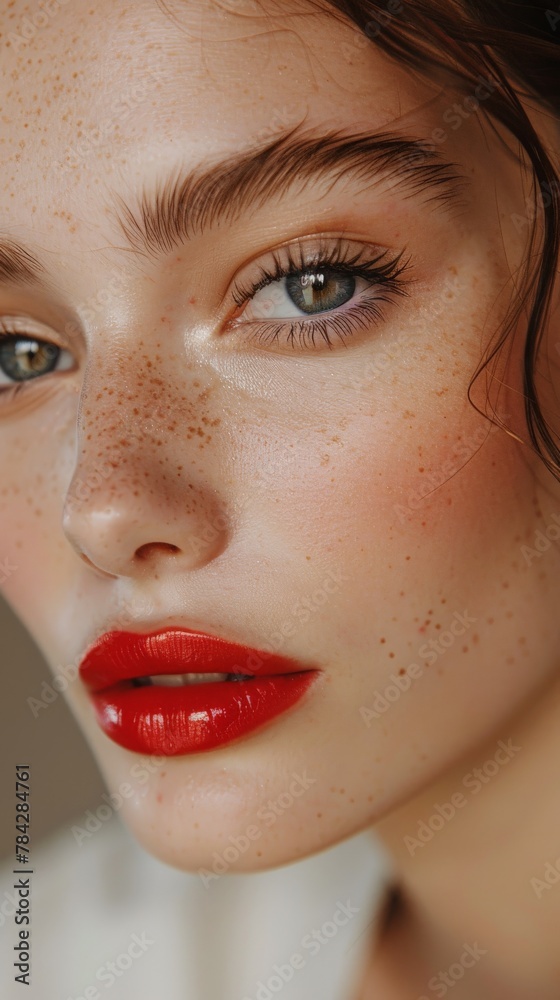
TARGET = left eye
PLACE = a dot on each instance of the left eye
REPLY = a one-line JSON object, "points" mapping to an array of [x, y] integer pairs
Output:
{"points": [[23, 358], [304, 294]]}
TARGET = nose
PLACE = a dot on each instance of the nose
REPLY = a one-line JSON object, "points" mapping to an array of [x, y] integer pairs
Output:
{"points": [[143, 497]]}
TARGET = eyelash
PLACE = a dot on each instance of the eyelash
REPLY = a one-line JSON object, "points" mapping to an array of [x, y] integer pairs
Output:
{"points": [[8, 332], [387, 275], [380, 273]]}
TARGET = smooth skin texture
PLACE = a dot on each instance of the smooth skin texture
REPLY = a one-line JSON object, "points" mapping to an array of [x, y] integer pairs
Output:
{"points": [[174, 471]]}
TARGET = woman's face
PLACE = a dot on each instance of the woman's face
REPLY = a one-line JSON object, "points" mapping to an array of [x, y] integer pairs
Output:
{"points": [[196, 454]]}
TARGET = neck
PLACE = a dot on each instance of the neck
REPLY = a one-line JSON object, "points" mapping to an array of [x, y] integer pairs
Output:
{"points": [[478, 853]]}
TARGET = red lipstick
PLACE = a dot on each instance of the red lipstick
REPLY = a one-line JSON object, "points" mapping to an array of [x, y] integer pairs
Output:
{"points": [[177, 692]]}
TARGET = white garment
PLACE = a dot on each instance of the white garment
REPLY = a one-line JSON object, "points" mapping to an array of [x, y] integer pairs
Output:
{"points": [[193, 942]]}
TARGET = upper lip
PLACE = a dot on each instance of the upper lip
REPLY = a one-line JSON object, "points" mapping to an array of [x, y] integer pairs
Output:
{"points": [[121, 656]]}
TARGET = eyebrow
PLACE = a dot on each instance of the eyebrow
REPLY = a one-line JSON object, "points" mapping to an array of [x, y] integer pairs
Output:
{"points": [[187, 202], [18, 265]]}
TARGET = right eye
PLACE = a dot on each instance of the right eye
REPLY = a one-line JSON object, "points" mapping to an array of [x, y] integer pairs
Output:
{"points": [[24, 357]]}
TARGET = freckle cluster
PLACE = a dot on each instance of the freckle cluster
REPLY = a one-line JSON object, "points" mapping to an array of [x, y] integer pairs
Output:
{"points": [[144, 420]]}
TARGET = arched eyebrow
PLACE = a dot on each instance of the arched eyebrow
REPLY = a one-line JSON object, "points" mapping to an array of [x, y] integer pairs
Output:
{"points": [[185, 203]]}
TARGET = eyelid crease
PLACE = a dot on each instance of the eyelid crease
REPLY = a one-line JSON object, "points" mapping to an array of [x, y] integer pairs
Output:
{"points": [[327, 255], [386, 278], [9, 331], [28, 331], [185, 203]]}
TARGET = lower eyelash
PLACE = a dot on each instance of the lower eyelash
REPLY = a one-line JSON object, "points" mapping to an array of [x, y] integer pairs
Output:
{"points": [[343, 324]]}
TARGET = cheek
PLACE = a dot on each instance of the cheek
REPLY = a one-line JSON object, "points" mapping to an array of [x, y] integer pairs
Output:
{"points": [[436, 578], [383, 492], [37, 465], [421, 517]]}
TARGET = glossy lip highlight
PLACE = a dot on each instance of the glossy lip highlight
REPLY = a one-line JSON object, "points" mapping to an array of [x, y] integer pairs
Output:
{"points": [[188, 718]]}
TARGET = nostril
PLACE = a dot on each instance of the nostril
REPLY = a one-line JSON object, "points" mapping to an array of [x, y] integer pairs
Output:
{"points": [[145, 551]]}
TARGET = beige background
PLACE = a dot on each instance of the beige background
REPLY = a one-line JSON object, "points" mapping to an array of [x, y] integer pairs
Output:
{"points": [[65, 780]]}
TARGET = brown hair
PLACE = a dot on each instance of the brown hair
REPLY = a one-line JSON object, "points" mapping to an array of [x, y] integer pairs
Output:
{"points": [[516, 45], [496, 39]]}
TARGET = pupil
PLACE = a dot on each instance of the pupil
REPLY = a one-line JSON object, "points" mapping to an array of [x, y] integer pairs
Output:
{"points": [[315, 291], [22, 359]]}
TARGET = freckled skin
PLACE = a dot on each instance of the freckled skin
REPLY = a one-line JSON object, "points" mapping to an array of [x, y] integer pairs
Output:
{"points": [[201, 480]]}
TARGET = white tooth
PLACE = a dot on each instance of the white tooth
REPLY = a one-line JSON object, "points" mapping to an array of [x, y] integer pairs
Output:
{"points": [[168, 680], [177, 680]]}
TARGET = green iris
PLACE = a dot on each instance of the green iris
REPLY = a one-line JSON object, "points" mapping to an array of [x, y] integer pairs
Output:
{"points": [[315, 291], [22, 359]]}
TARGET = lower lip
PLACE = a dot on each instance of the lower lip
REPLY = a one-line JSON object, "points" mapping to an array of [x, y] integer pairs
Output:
{"points": [[192, 718]]}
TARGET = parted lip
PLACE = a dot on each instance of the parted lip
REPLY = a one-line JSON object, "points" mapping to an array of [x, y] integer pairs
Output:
{"points": [[123, 656]]}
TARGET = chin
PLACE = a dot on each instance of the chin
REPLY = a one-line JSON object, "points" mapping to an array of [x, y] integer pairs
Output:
{"points": [[232, 812], [216, 844]]}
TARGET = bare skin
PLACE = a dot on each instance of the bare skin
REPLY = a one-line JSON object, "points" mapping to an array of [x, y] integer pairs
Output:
{"points": [[485, 878], [174, 470]]}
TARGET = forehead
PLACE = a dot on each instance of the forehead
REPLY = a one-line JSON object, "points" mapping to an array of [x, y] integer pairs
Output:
{"points": [[84, 56], [98, 99], [97, 83]]}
